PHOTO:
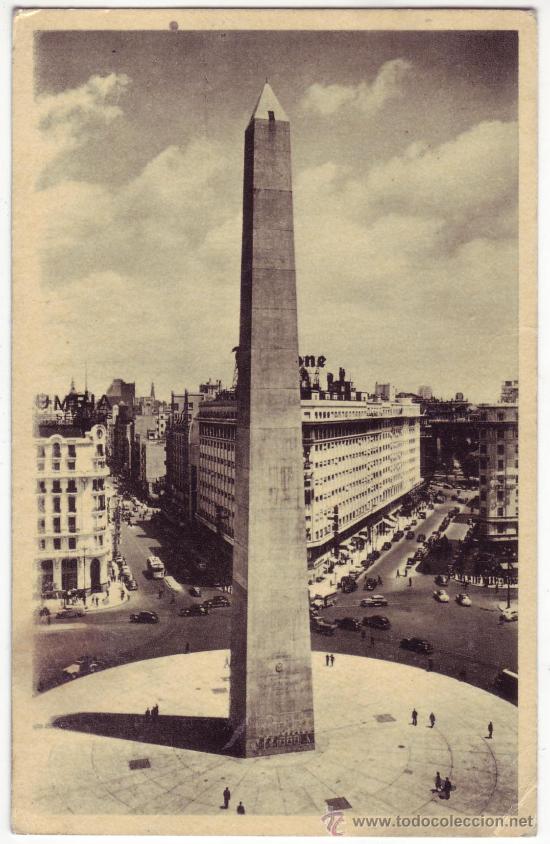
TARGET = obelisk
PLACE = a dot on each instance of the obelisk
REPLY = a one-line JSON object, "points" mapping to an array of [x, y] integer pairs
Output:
{"points": [[271, 707]]}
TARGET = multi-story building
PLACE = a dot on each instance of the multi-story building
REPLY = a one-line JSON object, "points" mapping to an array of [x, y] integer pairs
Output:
{"points": [[498, 472], [122, 391], [509, 392], [386, 392], [425, 392], [73, 532], [361, 458]]}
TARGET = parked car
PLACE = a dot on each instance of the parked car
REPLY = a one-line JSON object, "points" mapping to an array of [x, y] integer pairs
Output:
{"points": [[82, 666], [378, 621], [463, 600], [410, 534], [144, 617], [371, 583], [195, 592], [414, 522], [508, 614], [421, 537], [131, 584], [374, 601], [195, 610], [441, 596], [70, 612], [348, 623], [386, 546], [217, 601], [323, 627], [442, 580], [422, 514], [420, 646]]}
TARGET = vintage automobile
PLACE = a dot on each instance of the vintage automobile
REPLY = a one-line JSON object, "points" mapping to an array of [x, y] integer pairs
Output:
{"points": [[374, 601], [70, 612], [144, 617], [378, 621], [420, 646], [348, 623], [463, 600], [82, 666], [441, 596], [217, 601], [195, 610]]}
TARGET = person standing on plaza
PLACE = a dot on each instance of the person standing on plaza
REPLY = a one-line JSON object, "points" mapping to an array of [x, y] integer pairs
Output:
{"points": [[410, 582], [414, 716], [327, 659], [398, 573], [331, 660], [147, 715], [226, 797], [438, 781], [447, 788], [240, 808], [490, 729], [432, 720]]}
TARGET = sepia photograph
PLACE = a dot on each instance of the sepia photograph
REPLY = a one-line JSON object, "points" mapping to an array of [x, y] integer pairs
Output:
{"points": [[274, 395]]}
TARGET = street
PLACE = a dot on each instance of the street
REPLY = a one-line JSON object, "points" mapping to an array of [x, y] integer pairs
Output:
{"points": [[469, 642]]}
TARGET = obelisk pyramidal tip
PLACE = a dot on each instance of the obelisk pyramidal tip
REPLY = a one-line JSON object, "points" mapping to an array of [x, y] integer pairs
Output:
{"points": [[271, 706]]}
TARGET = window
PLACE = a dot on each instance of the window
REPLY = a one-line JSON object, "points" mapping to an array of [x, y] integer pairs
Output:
{"points": [[56, 450], [500, 449], [40, 451], [482, 495], [483, 449], [500, 417], [42, 544], [500, 511], [41, 525], [41, 505], [72, 504], [57, 505], [500, 465], [57, 525], [482, 479], [500, 434], [56, 486], [72, 524], [72, 450], [99, 449], [271, 115], [57, 543], [41, 486], [56, 466], [71, 465], [71, 486], [72, 543]]}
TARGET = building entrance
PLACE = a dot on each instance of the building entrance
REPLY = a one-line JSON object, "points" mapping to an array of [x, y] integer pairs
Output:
{"points": [[69, 575]]}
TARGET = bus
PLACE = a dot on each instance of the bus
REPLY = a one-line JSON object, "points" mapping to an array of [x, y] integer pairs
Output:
{"points": [[155, 567]]}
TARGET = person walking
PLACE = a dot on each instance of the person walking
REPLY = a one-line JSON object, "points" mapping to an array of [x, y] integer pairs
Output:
{"points": [[414, 716], [226, 797], [240, 808], [432, 720], [327, 659], [48, 618], [331, 660], [490, 729], [147, 715], [438, 781], [398, 573], [155, 712], [410, 582], [447, 788]]}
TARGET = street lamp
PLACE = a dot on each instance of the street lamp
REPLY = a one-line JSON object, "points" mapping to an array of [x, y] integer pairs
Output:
{"points": [[84, 549]]}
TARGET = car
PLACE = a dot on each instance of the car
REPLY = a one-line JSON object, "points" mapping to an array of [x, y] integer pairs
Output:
{"points": [[421, 537], [125, 571], [421, 514], [508, 614], [217, 601], [81, 666], [441, 580], [419, 646], [131, 584], [463, 600], [195, 610], [371, 583], [348, 623], [441, 596], [410, 534], [70, 612], [378, 621], [195, 592], [144, 617], [386, 546], [374, 601], [323, 627]]}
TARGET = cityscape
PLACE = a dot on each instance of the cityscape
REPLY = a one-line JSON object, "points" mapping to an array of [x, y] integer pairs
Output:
{"points": [[249, 589]]}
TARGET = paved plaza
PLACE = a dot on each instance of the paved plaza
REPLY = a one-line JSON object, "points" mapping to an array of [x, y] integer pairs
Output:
{"points": [[95, 754]]}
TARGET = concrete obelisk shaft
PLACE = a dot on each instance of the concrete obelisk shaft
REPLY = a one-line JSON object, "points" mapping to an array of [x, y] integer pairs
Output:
{"points": [[271, 707]]}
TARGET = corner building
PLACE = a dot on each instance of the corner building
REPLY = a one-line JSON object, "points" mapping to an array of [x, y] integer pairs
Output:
{"points": [[498, 472], [73, 534], [361, 457]]}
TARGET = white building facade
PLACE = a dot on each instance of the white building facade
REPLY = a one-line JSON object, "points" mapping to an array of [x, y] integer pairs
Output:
{"points": [[498, 472], [73, 538]]}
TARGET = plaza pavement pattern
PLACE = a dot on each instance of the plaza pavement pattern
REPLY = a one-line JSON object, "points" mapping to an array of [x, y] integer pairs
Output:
{"points": [[94, 754]]}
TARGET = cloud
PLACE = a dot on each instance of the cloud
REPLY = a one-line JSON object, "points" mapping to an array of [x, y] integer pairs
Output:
{"points": [[68, 120], [365, 97]]}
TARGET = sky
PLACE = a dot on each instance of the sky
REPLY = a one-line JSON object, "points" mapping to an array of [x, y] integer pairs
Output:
{"points": [[404, 152]]}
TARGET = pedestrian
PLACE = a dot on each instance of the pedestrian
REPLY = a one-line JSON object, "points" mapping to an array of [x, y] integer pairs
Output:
{"points": [[414, 716], [410, 581], [187, 647], [490, 729], [447, 788], [327, 660], [240, 808], [398, 573], [332, 660], [226, 797], [438, 781], [432, 720], [147, 715], [49, 618], [155, 712]]}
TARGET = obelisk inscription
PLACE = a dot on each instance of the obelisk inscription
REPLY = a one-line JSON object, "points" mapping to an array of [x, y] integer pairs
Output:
{"points": [[271, 708]]}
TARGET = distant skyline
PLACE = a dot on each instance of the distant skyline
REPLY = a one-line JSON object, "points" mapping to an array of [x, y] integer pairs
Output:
{"points": [[405, 203]]}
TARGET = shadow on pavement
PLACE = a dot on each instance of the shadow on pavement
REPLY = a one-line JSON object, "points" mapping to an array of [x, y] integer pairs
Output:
{"points": [[209, 735]]}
